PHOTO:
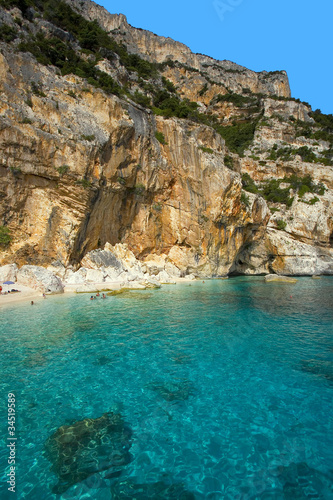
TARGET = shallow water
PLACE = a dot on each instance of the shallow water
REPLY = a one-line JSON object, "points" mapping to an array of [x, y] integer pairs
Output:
{"points": [[226, 385]]}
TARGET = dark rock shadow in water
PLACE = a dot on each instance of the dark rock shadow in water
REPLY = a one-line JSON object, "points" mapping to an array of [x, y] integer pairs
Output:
{"points": [[302, 482], [88, 446], [318, 367], [173, 391]]}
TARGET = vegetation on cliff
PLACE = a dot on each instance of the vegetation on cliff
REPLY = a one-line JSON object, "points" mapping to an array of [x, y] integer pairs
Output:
{"points": [[5, 237], [272, 191]]}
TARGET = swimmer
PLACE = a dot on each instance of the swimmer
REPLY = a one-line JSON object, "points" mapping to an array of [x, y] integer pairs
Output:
{"points": [[103, 296]]}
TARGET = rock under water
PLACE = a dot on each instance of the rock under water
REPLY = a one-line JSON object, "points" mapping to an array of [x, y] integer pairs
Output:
{"points": [[173, 391], [88, 446], [301, 482]]}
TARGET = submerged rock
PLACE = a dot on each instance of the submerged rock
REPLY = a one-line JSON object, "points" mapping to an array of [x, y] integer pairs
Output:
{"points": [[299, 479], [88, 446], [127, 293], [279, 279], [173, 391], [320, 368], [129, 490]]}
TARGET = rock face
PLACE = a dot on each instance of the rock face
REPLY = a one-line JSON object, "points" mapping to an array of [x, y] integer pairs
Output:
{"points": [[81, 167], [40, 279], [8, 273]]}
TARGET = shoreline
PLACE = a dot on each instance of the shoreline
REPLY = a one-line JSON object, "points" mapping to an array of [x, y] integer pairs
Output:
{"points": [[27, 294]]}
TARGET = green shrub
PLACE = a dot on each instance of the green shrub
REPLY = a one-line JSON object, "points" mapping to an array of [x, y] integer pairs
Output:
{"points": [[63, 169], [238, 137], [303, 189], [121, 181], [157, 207], [245, 199], [87, 137], [280, 153], [36, 90], [84, 183], [281, 224], [273, 193], [203, 90], [5, 237], [304, 184], [236, 99], [141, 99], [229, 162], [53, 51], [7, 33], [29, 102], [166, 104], [325, 121], [249, 184], [306, 154], [15, 170], [168, 85], [26, 121], [139, 189], [206, 150], [23, 5], [160, 137]]}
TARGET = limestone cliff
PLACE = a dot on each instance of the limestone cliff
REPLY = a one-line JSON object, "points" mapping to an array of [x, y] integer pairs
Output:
{"points": [[139, 141]]}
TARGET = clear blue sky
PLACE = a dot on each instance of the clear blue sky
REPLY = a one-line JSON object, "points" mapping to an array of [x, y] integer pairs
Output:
{"points": [[294, 35]]}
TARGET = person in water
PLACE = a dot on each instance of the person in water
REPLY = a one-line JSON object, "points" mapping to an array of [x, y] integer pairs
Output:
{"points": [[103, 296]]}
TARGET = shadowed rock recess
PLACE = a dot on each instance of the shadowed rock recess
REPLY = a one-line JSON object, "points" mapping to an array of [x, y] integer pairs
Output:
{"points": [[110, 134]]}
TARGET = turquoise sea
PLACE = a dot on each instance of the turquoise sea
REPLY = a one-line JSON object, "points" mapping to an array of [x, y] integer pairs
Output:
{"points": [[215, 390]]}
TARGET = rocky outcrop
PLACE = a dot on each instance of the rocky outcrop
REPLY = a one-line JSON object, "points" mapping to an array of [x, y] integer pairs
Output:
{"points": [[160, 49], [39, 279], [94, 180]]}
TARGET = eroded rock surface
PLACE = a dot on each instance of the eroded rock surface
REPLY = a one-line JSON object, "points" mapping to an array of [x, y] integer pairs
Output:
{"points": [[80, 167]]}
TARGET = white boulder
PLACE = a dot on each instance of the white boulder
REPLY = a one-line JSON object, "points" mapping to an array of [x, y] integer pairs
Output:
{"points": [[77, 278], [100, 259], [8, 272], [95, 276], [58, 269], [163, 277], [40, 279]]}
